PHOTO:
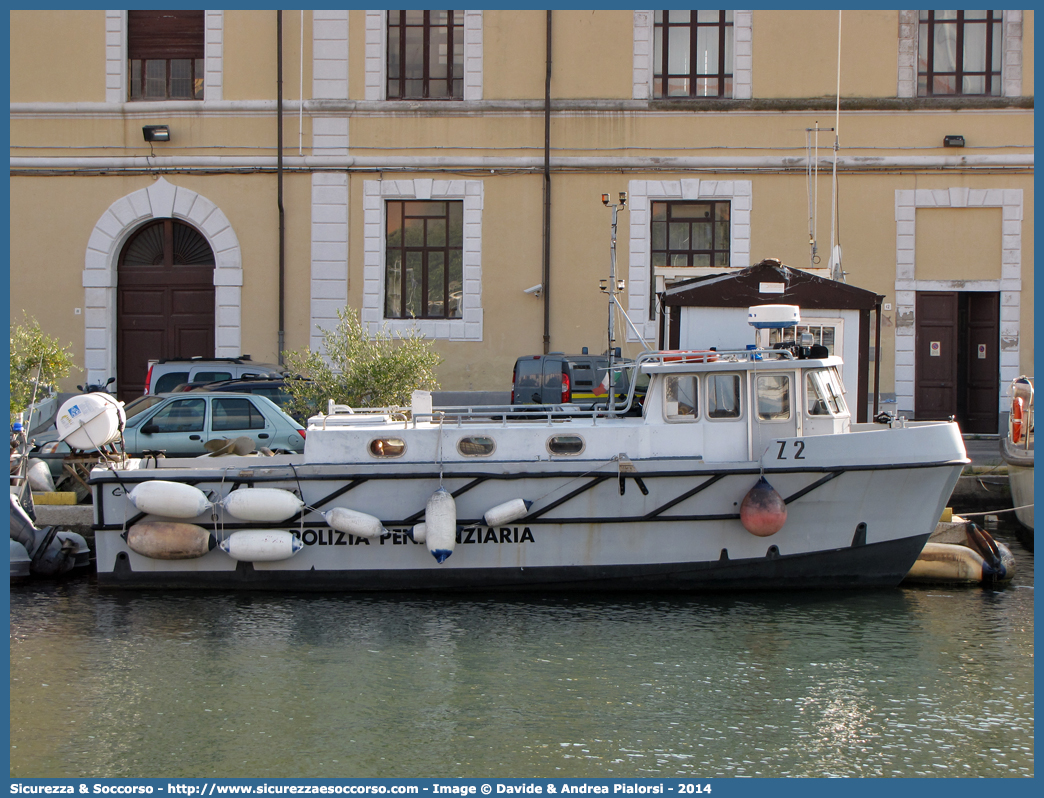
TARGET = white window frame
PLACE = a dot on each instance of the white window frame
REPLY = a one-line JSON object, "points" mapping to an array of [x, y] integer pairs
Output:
{"points": [[742, 59], [116, 57], [375, 193], [1011, 63], [377, 56], [640, 193]]}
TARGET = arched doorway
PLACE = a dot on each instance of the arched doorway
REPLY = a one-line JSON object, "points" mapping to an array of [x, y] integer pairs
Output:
{"points": [[164, 300]]}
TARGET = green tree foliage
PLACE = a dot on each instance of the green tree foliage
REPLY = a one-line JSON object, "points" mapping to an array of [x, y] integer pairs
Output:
{"points": [[360, 371], [33, 352]]}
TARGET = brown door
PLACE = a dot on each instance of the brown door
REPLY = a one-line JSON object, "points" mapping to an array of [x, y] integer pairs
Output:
{"points": [[957, 359], [935, 362], [978, 371], [164, 301]]}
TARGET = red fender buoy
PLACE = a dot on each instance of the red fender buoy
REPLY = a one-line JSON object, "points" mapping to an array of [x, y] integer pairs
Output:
{"points": [[763, 511]]}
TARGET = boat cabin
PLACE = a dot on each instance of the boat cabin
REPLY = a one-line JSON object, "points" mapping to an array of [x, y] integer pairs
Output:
{"points": [[722, 406]]}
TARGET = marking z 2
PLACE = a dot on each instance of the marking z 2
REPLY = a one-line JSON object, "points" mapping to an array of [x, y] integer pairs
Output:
{"points": [[798, 455]]}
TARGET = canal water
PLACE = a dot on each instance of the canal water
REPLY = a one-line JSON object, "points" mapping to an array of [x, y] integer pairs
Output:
{"points": [[914, 681]]}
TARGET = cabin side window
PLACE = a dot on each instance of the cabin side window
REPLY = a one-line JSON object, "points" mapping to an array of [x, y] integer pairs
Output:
{"points": [[681, 397], [723, 396], [824, 391], [387, 447], [773, 391], [816, 396], [476, 446], [836, 390], [565, 444]]}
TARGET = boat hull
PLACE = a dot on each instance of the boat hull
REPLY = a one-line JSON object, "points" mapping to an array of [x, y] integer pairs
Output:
{"points": [[871, 566], [1019, 460], [591, 527]]}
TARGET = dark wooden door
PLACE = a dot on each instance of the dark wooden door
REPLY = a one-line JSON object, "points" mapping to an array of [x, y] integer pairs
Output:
{"points": [[164, 301], [957, 359], [979, 366], [935, 361]]}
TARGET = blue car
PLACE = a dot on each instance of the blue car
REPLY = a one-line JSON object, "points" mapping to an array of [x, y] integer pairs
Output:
{"points": [[180, 425]]}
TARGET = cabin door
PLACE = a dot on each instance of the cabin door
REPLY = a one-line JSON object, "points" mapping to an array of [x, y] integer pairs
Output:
{"points": [[777, 412], [164, 301], [957, 363]]}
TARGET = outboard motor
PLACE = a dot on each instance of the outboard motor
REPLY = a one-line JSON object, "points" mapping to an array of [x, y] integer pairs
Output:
{"points": [[52, 552]]}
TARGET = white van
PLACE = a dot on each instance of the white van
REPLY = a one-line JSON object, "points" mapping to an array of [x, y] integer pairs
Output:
{"points": [[165, 375]]}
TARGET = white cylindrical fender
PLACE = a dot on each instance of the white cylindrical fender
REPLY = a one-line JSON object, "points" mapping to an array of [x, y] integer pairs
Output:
{"points": [[261, 545], [269, 505], [169, 540], [39, 475], [507, 512], [440, 520], [352, 522], [169, 499], [419, 533]]}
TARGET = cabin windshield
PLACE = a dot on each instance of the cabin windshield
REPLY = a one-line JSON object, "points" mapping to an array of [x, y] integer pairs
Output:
{"points": [[824, 393]]}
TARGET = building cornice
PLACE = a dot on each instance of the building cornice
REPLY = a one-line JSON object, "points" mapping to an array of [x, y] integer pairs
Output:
{"points": [[766, 163], [389, 108]]}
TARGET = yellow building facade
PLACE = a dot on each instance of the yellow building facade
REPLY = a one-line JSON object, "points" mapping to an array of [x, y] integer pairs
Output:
{"points": [[435, 167]]}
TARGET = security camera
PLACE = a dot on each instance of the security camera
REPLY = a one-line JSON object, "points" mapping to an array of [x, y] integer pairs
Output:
{"points": [[535, 290]]}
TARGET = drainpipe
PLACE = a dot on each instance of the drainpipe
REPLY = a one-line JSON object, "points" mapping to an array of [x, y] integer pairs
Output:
{"points": [[547, 193], [280, 343]]}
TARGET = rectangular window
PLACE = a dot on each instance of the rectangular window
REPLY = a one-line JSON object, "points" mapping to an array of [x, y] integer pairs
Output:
{"points": [[692, 54], [424, 260], [690, 234], [165, 51], [723, 396], [822, 334], [773, 397], [682, 397], [959, 52], [185, 415], [425, 55], [236, 414]]}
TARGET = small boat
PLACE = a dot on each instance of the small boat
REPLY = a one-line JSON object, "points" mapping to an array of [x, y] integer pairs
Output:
{"points": [[46, 551], [961, 552], [743, 471], [1017, 449], [36, 551]]}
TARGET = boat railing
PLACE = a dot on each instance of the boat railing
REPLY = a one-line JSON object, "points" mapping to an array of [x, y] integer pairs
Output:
{"points": [[615, 405], [712, 356]]}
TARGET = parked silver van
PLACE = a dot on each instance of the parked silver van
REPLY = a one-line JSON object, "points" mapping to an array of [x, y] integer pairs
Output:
{"points": [[164, 375]]}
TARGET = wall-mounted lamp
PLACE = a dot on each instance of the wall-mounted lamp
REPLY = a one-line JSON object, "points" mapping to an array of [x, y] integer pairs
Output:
{"points": [[156, 132], [953, 141]]}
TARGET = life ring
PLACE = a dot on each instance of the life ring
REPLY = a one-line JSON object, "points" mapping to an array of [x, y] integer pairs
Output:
{"points": [[1016, 420], [690, 355]]}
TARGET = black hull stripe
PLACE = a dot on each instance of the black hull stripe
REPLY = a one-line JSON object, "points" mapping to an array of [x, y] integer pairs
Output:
{"points": [[145, 476], [874, 565]]}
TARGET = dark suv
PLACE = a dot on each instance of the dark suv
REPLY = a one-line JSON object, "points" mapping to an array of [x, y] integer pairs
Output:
{"points": [[273, 388], [557, 378]]}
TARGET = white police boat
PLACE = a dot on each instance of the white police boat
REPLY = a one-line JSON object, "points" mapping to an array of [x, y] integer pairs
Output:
{"points": [[743, 470]]}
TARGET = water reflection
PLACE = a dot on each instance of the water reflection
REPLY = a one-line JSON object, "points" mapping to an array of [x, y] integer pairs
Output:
{"points": [[898, 682]]}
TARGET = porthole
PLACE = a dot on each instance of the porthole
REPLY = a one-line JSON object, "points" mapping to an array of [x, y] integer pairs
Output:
{"points": [[387, 447], [565, 444], [476, 446]]}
